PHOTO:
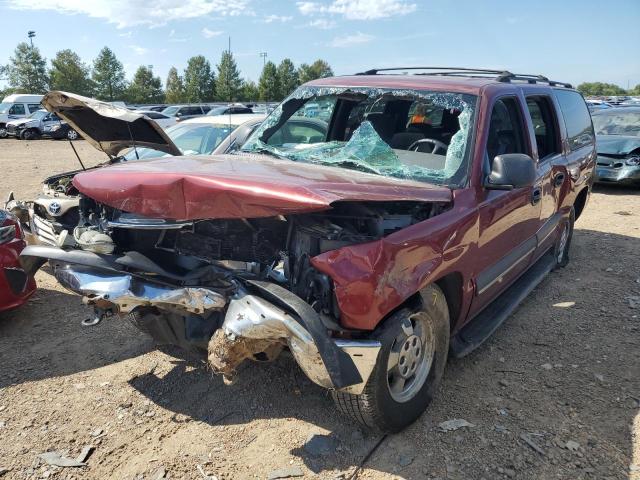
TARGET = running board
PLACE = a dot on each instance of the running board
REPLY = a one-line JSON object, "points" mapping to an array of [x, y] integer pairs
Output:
{"points": [[479, 329]]}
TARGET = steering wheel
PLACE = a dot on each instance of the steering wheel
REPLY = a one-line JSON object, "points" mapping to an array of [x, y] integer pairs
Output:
{"points": [[439, 148]]}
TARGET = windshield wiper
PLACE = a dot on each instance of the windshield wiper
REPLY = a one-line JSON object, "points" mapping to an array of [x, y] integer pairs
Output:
{"points": [[265, 151], [352, 165]]}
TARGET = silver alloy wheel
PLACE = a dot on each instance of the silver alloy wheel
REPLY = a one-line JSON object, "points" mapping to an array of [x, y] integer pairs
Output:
{"points": [[410, 358], [562, 244], [72, 134], [3, 132]]}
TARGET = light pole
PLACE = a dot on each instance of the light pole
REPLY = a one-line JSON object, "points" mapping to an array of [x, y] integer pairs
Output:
{"points": [[31, 34], [264, 63]]}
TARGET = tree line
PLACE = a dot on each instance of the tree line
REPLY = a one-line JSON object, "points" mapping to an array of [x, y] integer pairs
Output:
{"points": [[600, 89], [104, 79]]}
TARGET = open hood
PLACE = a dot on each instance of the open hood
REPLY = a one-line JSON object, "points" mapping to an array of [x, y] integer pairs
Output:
{"points": [[241, 186], [107, 127]]}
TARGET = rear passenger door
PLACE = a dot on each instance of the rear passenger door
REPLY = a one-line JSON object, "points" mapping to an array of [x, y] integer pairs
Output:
{"points": [[551, 165]]}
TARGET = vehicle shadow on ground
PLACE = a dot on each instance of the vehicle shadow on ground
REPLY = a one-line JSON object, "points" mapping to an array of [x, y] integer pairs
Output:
{"points": [[44, 339], [614, 189], [528, 398]]}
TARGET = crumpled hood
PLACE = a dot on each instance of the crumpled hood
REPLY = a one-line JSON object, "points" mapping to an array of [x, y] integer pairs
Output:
{"points": [[107, 127], [240, 186], [616, 144], [21, 122]]}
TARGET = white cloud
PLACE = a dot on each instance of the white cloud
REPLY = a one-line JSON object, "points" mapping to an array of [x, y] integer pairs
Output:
{"points": [[358, 9], [128, 13], [206, 33], [138, 50], [126, 34], [277, 18], [350, 40], [322, 23]]}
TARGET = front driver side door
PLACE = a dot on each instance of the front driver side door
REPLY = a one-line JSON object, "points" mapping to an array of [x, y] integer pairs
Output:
{"points": [[508, 219]]}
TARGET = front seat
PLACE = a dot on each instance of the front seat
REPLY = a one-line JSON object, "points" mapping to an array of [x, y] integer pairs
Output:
{"points": [[384, 124]]}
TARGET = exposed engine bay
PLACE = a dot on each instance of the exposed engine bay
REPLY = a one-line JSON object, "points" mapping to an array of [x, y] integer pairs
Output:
{"points": [[275, 249]]}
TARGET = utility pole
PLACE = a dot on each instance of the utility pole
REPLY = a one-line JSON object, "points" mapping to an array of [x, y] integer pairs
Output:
{"points": [[31, 34]]}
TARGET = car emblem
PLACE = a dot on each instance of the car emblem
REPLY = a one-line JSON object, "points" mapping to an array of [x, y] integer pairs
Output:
{"points": [[55, 207]]}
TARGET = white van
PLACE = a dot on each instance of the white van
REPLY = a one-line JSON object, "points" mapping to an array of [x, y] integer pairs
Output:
{"points": [[17, 106]]}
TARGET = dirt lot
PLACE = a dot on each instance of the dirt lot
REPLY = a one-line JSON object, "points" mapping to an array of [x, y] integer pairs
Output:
{"points": [[564, 371]]}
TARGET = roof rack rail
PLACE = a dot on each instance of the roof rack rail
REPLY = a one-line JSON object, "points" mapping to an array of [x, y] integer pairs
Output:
{"points": [[500, 75]]}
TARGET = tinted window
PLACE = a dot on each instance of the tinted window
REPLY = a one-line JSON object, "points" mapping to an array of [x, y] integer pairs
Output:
{"points": [[576, 118], [544, 125], [34, 107], [17, 109], [506, 134]]}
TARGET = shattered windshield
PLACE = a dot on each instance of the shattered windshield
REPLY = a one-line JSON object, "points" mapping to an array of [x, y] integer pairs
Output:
{"points": [[4, 107], [411, 134], [617, 123]]}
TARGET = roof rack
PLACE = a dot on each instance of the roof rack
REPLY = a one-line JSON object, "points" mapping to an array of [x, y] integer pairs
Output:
{"points": [[499, 75]]}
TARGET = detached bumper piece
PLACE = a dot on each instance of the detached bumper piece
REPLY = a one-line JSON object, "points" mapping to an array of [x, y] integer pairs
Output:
{"points": [[256, 321]]}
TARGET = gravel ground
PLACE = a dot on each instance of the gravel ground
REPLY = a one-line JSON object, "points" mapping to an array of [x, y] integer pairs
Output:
{"points": [[554, 394]]}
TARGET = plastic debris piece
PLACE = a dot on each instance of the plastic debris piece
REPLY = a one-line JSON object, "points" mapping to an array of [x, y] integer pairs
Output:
{"points": [[455, 424], [58, 460]]}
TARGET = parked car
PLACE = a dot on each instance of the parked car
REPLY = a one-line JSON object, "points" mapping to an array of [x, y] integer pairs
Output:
{"points": [[184, 112], [233, 109], [15, 285], [594, 105], [165, 121], [14, 107], [40, 124], [53, 214], [370, 251], [618, 142]]}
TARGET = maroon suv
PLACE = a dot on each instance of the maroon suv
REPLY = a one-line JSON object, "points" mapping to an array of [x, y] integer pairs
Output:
{"points": [[407, 221]]}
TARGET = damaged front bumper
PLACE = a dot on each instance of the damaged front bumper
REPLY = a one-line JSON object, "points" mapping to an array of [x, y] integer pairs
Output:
{"points": [[258, 318]]}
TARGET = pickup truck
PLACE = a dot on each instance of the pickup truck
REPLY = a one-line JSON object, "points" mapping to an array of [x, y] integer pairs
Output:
{"points": [[405, 230]]}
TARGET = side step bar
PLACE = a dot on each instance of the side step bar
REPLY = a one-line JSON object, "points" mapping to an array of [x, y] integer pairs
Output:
{"points": [[473, 334]]}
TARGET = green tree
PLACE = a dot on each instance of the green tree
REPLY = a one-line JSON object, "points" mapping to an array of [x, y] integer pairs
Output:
{"points": [[318, 69], [199, 80], [27, 70], [287, 78], [174, 91], [145, 88], [249, 91], [268, 85], [69, 74], [229, 83], [600, 88], [635, 90], [108, 76]]}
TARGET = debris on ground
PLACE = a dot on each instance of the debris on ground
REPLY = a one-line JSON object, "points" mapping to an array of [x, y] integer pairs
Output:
{"points": [[85, 453], [58, 460], [288, 472], [455, 424], [531, 443], [564, 304], [572, 445]]}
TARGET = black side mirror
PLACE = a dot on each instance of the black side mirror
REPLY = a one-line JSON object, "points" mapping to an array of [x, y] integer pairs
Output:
{"points": [[511, 170]]}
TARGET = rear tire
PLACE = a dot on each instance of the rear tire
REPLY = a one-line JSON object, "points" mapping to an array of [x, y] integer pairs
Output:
{"points": [[563, 243], [415, 344], [72, 134]]}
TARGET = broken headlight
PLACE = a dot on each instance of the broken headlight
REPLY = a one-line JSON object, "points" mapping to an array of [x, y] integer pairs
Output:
{"points": [[633, 160]]}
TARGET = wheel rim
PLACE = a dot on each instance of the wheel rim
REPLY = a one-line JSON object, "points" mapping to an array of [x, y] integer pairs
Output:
{"points": [[410, 358], [72, 134], [3, 132], [562, 244]]}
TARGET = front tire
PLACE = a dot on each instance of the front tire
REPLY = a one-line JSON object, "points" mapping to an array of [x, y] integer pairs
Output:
{"points": [[410, 365], [3, 132], [29, 134], [72, 134]]}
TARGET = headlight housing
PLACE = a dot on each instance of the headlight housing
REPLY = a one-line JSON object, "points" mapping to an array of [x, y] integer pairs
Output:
{"points": [[633, 160]]}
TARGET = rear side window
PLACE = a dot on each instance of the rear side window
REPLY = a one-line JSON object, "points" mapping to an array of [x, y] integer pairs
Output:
{"points": [[576, 118], [34, 107], [543, 119], [17, 109]]}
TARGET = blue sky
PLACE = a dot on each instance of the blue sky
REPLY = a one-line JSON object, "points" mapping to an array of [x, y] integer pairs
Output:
{"points": [[567, 40]]}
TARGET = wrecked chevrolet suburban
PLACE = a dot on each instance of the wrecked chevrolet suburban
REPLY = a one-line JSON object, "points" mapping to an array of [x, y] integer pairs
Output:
{"points": [[409, 228]]}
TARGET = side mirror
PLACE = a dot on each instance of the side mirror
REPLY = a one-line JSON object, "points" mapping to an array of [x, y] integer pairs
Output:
{"points": [[511, 170], [179, 114]]}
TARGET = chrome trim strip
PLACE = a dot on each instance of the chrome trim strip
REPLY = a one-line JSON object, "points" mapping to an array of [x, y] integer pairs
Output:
{"points": [[500, 277]]}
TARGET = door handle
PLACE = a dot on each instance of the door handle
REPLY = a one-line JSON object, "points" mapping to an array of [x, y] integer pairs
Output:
{"points": [[536, 195], [558, 180]]}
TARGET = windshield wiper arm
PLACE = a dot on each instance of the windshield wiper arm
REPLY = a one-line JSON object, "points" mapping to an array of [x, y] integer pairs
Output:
{"points": [[266, 151]]}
